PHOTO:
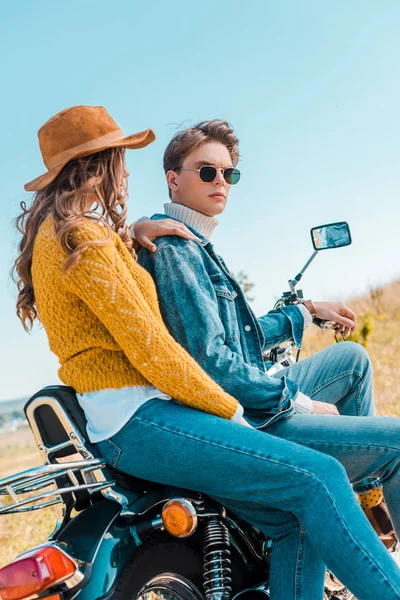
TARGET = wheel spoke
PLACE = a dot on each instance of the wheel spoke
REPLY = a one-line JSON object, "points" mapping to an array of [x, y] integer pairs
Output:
{"points": [[169, 586]]}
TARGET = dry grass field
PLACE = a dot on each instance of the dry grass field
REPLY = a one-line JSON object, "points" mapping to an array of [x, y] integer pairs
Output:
{"points": [[381, 307], [18, 451], [19, 532]]}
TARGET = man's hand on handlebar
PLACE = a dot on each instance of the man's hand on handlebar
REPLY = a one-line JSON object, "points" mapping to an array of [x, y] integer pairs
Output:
{"points": [[343, 318]]}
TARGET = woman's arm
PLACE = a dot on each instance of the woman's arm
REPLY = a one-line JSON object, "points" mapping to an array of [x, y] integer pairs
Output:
{"points": [[102, 280]]}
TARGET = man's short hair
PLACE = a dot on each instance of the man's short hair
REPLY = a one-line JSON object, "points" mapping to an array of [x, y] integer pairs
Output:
{"points": [[187, 140]]}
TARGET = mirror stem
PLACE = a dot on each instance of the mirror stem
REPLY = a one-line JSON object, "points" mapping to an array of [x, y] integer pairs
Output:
{"points": [[295, 281]]}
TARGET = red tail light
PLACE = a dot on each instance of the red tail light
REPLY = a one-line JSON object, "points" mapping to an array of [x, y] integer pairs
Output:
{"points": [[35, 572]]}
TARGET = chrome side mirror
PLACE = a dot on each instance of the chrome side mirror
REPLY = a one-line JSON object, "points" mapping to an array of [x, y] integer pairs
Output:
{"points": [[334, 235]]}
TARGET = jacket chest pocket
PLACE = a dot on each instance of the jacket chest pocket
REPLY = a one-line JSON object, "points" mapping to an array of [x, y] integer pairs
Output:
{"points": [[227, 308]]}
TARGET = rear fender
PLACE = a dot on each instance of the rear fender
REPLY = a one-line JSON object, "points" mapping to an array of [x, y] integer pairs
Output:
{"points": [[102, 539], [106, 541]]}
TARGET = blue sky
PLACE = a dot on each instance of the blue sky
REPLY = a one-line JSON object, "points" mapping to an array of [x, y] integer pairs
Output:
{"points": [[312, 89]]}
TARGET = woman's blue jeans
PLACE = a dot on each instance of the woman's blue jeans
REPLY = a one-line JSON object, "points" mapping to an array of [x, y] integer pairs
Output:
{"points": [[297, 492]]}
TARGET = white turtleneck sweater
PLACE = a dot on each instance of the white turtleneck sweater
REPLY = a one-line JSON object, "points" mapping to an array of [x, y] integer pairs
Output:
{"points": [[205, 225], [200, 222]]}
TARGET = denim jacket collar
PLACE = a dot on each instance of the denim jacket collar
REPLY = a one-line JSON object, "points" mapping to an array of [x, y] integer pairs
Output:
{"points": [[206, 243]]}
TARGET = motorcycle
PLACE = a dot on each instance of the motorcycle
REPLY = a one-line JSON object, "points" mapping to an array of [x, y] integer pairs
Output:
{"points": [[118, 537]]}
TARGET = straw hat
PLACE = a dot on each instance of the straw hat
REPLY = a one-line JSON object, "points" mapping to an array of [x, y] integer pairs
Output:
{"points": [[80, 131]]}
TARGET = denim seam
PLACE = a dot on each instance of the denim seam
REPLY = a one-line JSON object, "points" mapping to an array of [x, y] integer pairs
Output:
{"points": [[299, 563], [367, 487], [334, 380], [358, 398], [325, 443], [375, 565], [273, 342], [165, 244], [357, 489], [115, 452], [224, 446]]}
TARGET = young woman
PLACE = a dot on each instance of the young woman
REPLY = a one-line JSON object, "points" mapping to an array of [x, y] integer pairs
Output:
{"points": [[150, 408]]}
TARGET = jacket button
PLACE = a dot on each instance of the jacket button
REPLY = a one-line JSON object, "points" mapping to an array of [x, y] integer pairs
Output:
{"points": [[247, 328]]}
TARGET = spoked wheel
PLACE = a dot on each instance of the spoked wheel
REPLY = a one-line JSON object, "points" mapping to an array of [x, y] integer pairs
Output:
{"points": [[162, 569], [169, 586]]}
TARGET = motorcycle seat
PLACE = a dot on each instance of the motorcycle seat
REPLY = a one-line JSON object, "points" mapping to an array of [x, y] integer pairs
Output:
{"points": [[52, 432]]}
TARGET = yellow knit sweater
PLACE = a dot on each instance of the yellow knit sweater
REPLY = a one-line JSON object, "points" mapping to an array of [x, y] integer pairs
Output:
{"points": [[104, 324]]}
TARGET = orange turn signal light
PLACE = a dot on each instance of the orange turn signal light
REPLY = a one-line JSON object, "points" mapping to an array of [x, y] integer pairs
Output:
{"points": [[179, 517], [35, 572]]}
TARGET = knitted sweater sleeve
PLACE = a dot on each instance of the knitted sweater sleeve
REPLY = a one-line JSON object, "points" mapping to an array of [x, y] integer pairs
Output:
{"points": [[102, 280]]}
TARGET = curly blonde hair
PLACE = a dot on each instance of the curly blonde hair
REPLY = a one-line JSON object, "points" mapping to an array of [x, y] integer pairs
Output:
{"points": [[104, 177]]}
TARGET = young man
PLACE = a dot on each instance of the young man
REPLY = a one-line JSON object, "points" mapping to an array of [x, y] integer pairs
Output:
{"points": [[206, 311]]}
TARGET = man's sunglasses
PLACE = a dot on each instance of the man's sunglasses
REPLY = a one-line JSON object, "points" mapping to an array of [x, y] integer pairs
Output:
{"points": [[208, 174]]}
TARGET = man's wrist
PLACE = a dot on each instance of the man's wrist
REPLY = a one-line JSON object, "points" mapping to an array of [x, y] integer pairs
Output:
{"points": [[303, 404], [305, 313], [310, 307]]}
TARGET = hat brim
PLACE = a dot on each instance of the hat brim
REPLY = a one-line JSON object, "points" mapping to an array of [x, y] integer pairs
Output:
{"points": [[132, 142]]}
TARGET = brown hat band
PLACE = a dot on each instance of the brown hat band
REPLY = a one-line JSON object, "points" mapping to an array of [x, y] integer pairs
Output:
{"points": [[109, 138]]}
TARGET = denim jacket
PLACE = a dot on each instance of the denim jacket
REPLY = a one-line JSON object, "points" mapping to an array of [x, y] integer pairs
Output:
{"points": [[206, 311]]}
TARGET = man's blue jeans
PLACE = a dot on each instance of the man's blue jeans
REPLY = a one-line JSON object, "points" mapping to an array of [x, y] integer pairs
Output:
{"points": [[299, 494], [341, 375]]}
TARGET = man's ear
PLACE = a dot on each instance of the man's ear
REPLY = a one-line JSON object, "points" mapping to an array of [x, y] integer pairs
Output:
{"points": [[172, 180]]}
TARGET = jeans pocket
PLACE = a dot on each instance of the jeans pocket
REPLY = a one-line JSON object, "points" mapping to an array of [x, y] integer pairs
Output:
{"points": [[110, 451]]}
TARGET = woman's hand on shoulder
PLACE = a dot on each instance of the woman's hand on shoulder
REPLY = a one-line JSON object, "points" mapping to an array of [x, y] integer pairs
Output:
{"points": [[146, 231]]}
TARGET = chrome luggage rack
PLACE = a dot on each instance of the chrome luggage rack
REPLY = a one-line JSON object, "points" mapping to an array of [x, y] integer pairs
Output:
{"points": [[46, 476], [70, 469]]}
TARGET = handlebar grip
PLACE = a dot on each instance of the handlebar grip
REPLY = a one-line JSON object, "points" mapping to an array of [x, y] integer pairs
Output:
{"points": [[323, 324]]}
